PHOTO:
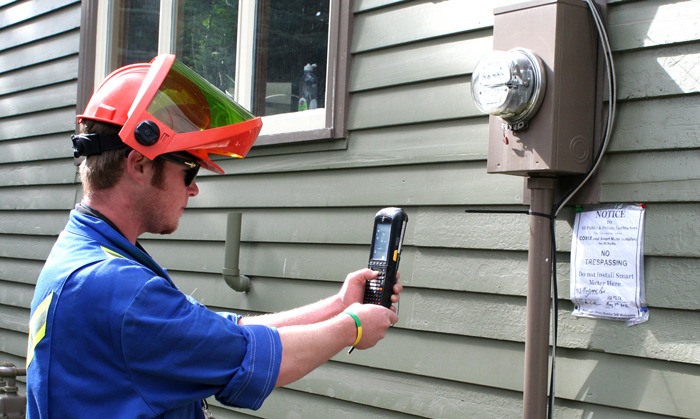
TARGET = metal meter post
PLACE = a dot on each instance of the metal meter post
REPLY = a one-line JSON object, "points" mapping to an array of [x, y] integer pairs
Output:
{"points": [[539, 88], [538, 297]]}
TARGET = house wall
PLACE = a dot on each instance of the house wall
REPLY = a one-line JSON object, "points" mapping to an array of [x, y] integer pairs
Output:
{"points": [[38, 81], [415, 140]]}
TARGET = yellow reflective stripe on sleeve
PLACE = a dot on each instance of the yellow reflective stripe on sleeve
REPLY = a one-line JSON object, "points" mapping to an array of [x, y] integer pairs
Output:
{"points": [[111, 252], [37, 326]]}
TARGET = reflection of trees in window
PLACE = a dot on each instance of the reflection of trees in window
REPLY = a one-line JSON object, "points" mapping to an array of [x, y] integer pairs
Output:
{"points": [[207, 33], [290, 34], [138, 29]]}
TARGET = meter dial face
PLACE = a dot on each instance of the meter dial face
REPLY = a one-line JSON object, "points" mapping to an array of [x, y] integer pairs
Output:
{"points": [[509, 84], [493, 81]]}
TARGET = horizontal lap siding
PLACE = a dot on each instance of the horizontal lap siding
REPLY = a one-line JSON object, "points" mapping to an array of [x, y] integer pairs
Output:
{"points": [[372, 186], [38, 79], [653, 159], [418, 141]]}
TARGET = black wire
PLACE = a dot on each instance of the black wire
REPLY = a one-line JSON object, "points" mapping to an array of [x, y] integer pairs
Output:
{"points": [[555, 316], [487, 211]]}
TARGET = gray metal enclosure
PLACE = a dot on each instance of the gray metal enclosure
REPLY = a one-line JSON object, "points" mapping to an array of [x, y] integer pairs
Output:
{"points": [[417, 141]]}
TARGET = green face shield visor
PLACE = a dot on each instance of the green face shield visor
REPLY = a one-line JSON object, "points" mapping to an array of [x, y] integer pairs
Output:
{"points": [[176, 109]]}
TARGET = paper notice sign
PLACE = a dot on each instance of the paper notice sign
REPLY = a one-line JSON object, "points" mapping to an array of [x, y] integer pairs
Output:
{"points": [[607, 263]]}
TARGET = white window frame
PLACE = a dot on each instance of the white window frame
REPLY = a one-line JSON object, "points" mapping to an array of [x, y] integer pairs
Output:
{"points": [[325, 123]]}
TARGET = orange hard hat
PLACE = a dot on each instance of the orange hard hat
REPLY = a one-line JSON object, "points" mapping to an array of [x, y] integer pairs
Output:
{"points": [[165, 107]]}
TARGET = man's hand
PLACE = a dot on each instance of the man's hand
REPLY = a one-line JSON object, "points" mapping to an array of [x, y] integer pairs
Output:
{"points": [[375, 321], [353, 289], [305, 347], [312, 334]]}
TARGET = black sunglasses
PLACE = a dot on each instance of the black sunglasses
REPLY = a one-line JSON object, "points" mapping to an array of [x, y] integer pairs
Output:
{"points": [[193, 166]]}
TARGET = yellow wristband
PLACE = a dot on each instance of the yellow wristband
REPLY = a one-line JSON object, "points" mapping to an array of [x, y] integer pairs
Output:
{"points": [[358, 324]]}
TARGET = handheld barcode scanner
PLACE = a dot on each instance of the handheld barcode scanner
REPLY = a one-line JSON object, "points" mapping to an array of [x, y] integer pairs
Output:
{"points": [[385, 254]]}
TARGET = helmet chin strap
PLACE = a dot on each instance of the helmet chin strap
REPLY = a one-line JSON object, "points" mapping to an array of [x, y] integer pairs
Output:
{"points": [[90, 144]]}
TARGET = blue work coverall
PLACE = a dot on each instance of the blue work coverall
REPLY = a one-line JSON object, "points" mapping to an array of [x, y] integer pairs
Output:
{"points": [[111, 336]]}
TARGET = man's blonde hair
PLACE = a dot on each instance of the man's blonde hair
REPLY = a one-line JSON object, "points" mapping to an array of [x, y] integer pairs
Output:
{"points": [[102, 171]]}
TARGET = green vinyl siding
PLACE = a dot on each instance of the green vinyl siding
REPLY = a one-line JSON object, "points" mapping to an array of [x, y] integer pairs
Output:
{"points": [[415, 140], [38, 81]]}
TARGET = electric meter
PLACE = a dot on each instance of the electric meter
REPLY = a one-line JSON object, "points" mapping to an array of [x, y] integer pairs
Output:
{"points": [[509, 84]]}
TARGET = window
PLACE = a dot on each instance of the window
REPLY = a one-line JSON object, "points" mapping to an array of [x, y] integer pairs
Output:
{"points": [[285, 60]]}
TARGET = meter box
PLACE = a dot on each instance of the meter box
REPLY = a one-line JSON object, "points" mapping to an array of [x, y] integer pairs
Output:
{"points": [[552, 46]]}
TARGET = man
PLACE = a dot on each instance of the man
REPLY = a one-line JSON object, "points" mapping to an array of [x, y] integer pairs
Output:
{"points": [[110, 334]]}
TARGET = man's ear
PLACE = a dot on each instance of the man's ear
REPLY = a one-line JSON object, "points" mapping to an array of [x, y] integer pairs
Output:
{"points": [[138, 167]]}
